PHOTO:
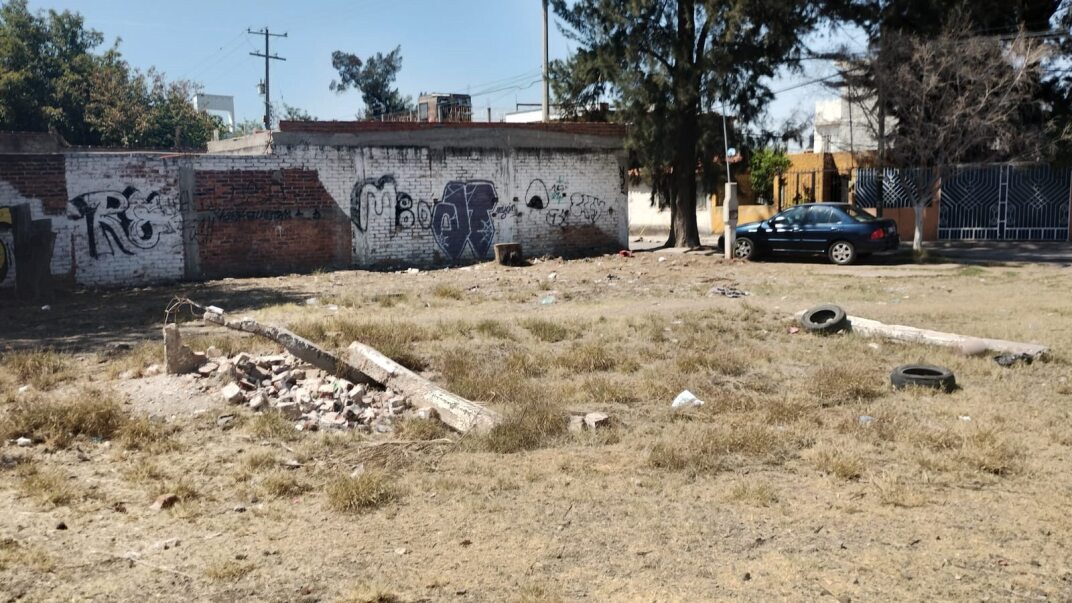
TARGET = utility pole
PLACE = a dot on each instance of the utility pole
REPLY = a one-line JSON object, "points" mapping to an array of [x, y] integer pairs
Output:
{"points": [[546, 75], [268, 58]]}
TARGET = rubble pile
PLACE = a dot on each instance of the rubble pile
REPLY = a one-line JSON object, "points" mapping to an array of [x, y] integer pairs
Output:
{"points": [[312, 398]]}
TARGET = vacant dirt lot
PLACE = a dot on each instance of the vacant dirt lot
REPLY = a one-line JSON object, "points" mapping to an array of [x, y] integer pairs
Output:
{"points": [[803, 477]]}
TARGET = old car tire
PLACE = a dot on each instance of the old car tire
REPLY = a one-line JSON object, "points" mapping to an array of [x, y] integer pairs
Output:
{"points": [[923, 375], [824, 319], [744, 249], [842, 253]]}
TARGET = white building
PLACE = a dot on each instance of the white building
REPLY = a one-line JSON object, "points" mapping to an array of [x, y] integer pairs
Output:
{"points": [[841, 125]]}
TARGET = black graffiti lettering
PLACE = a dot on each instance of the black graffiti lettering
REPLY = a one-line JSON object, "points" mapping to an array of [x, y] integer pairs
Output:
{"points": [[121, 218], [536, 196]]}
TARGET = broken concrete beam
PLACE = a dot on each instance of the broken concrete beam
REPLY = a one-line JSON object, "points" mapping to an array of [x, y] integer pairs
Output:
{"points": [[963, 343], [179, 359], [455, 411]]}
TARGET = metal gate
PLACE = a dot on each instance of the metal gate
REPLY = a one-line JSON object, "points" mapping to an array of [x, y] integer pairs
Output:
{"points": [[986, 202]]}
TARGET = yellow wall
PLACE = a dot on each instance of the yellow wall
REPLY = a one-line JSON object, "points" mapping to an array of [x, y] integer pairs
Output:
{"points": [[745, 214]]}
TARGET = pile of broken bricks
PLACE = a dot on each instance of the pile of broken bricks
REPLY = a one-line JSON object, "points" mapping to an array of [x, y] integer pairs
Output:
{"points": [[311, 397]]}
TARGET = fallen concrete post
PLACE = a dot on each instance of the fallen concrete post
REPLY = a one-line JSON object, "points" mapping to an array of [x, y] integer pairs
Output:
{"points": [[456, 411], [299, 347], [963, 343], [367, 365]]}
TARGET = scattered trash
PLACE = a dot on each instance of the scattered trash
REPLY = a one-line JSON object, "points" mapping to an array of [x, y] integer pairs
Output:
{"points": [[332, 307], [866, 420], [730, 292], [46, 308], [401, 551], [552, 276], [547, 300], [24, 442], [662, 259], [686, 399], [625, 253], [923, 375], [61, 526], [793, 330], [413, 270], [1010, 360], [964, 418], [25, 388], [312, 301], [596, 420]]}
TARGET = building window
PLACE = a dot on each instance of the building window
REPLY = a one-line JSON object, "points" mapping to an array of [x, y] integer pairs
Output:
{"points": [[422, 112]]}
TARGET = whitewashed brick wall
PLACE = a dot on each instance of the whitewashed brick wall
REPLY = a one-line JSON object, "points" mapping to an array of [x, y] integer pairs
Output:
{"points": [[581, 199], [131, 204]]}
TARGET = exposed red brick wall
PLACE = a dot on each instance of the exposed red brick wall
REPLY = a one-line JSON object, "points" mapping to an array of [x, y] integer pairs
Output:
{"points": [[267, 222], [41, 177], [357, 127]]}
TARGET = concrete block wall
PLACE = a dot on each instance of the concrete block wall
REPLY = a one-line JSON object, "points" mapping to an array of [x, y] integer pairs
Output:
{"points": [[130, 219]]}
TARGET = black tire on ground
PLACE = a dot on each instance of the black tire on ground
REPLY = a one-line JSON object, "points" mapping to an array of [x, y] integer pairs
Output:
{"points": [[841, 253], [744, 248], [923, 375], [824, 319]]}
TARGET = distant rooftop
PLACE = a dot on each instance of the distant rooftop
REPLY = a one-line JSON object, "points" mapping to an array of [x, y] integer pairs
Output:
{"points": [[362, 127]]}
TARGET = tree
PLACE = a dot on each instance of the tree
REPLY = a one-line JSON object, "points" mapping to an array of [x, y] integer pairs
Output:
{"points": [[668, 66], [763, 167], [51, 80], [374, 77], [292, 113], [956, 98]]}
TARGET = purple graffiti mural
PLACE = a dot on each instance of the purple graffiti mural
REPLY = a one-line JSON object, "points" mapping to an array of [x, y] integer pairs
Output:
{"points": [[463, 218]]}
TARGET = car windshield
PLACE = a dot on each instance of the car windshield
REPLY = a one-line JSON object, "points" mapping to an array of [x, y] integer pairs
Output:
{"points": [[858, 214]]}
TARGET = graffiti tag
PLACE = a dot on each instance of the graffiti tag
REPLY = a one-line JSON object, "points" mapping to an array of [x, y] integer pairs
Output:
{"points": [[120, 217], [463, 218]]}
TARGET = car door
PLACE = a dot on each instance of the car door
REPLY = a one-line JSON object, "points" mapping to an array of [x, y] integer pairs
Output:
{"points": [[784, 231], [820, 226]]}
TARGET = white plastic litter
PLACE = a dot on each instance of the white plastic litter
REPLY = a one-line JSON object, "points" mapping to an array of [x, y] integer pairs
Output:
{"points": [[686, 399]]}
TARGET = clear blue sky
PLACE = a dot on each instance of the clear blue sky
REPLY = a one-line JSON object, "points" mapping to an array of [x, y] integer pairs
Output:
{"points": [[488, 48]]}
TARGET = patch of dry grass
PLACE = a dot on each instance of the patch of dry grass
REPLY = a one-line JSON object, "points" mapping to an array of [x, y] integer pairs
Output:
{"points": [[531, 425], [60, 418], [601, 389], [363, 492], [48, 486], [144, 471], [43, 369], [282, 483], [422, 429], [835, 385], [836, 461], [14, 554], [537, 593], [444, 291], [706, 448], [987, 451], [895, 491], [494, 329], [754, 492], [141, 433], [228, 570], [548, 331], [594, 357], [259, 460], [134, 361], [273, 426], [394, 339], [370, 593]]}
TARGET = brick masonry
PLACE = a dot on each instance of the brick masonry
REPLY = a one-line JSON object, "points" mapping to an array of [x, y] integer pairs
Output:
{"points": [[128, 219]]}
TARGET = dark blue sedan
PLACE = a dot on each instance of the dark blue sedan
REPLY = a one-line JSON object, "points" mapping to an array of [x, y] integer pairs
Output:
{"points": [[839, 231]]}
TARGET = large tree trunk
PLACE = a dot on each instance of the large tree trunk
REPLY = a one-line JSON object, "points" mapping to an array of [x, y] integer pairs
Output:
{"points": [[686, 84]]}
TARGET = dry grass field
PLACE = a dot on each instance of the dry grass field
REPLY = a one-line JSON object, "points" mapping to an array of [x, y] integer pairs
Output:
{"points": [[775, 489]]}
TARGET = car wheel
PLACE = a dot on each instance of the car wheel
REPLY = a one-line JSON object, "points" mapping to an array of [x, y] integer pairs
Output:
{"points": [[923, 375], [842, 253], [744, 249], [824, 319]]}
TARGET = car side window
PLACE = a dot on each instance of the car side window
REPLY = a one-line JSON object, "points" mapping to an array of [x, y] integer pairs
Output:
{"points": [[793, 216], [821, 215]]}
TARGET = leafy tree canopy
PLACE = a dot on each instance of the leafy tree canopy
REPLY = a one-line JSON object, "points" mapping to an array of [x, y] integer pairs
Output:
{"points": [[374, 77], [763, 166], [51, 80]]}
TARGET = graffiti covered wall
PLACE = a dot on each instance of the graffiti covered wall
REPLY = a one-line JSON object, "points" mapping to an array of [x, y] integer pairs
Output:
{"points": [[129, 219]]}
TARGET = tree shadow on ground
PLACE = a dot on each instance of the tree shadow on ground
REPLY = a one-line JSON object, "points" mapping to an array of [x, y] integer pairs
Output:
{"points": [[88, 320]]}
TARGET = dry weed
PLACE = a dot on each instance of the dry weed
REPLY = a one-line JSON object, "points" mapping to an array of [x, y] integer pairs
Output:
{"points": [[370, 593], [48, 486], [705, 448], [602, 389], [836, 461], [141, 433], [58, 419], [984, 450], [548, 331], [43, 369], [529, 426], [593, 357], [422, 429], [833, 386], [363, 492], [14, 554], [133, 362], [273, 426], [259, 460], [229, 570], [282, 483], [494, 329], [895, 491], [144, 471], [537, 593], [755, 493], [444, 291]]}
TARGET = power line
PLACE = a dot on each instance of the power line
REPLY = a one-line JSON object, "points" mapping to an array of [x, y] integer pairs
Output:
{"points": [[268, 58]]}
